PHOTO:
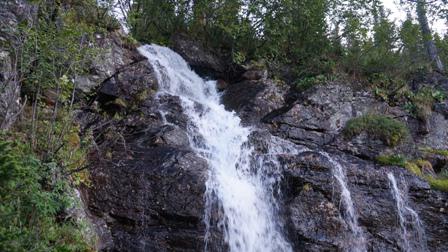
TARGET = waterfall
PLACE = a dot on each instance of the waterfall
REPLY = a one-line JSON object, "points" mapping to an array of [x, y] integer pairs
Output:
{"points": [[408, 218], [242, 181], [358, 242]]}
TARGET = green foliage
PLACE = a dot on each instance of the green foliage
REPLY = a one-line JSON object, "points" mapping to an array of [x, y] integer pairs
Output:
{"points": [[440, 184], [436, 151], [414, 167], [308, 82], [54, 51], [33, 197], [379, 56], [386, 129], [424, 100], [308, 35], [442, 45], [387, 88], [280, 30], [47, 155], [156, 20], [397, 160], [413, 49]]}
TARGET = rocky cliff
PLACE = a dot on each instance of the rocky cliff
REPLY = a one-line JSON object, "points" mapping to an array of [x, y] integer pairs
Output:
{"points": [[148, 186]]}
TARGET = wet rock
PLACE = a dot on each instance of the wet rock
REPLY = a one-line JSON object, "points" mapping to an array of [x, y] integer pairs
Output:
{"points": [[318, 117], [315, 222], [315, 211], [150, 196], [129, 88], [253, 100], [172, 136], [148, 186]]}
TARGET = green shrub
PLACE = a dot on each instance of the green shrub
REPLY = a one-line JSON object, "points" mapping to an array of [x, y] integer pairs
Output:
{"points": [[386, 129], [397, 160], [33, 197], [423, 101], [387, 88], [440, 184]]}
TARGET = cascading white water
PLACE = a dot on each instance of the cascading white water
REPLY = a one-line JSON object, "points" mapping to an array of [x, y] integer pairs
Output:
{"points": [[358, 242], [408, 218], [237, 177]]}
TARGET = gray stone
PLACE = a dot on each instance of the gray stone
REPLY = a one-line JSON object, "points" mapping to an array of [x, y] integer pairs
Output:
{"points": [[114, 56]]}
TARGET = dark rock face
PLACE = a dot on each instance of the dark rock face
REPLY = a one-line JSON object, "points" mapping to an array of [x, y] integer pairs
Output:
{"points": [[151, 196], [148, 185], [204, 62], [253, 100], [199, 58]]}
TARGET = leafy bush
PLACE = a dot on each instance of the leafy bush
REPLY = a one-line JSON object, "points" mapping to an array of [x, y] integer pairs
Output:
{"points": [[386, 129], [424, 100], [54, 52], [387, 88], [33, 197]]}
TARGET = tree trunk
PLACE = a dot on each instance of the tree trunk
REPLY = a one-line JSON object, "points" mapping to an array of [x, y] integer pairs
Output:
{"points": [[427, 35]]}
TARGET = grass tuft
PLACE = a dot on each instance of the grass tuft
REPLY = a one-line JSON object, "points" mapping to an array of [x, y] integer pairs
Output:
{"points": [[440, 184]]}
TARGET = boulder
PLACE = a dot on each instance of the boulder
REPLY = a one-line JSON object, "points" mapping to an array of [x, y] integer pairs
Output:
{"points": [[130, 87], [221, 85]]}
